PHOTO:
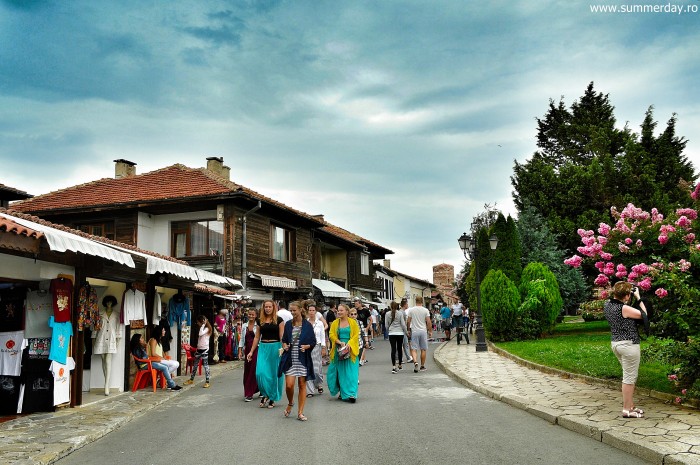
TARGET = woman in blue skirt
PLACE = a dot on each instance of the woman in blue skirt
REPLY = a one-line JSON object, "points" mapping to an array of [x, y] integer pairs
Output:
{"points": [[268, 342], [344, 373]]}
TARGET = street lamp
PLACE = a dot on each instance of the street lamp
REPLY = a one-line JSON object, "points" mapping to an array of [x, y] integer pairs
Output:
{"points": [[470, 249]]}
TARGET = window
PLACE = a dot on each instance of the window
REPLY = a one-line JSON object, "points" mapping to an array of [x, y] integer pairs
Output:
{"points": [[197, 238], [105, 229], [364, 263], [282, 243]]}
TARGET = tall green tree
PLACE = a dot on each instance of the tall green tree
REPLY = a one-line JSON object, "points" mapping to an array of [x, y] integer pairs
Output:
{"points": [[540, 245], [507, 256], [584, 164]]}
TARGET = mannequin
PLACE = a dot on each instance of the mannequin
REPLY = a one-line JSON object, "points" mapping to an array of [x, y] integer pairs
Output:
{"points": [[106, 335]]}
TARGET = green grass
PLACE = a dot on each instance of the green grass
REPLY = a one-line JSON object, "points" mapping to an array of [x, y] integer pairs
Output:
{"points": [[584, 348]]}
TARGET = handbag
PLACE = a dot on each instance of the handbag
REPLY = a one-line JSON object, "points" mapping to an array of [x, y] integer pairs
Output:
{"points": [[344, 352]]}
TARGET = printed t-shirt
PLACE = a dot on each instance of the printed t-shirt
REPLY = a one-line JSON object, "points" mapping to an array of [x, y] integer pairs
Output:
{"points": [[62, 292], [9, 394], [61, 380], [11, 309], [11, 345], [39, 305], [60, 339]]}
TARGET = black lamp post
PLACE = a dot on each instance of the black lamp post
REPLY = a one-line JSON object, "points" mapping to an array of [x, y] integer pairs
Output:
{"points": [[469, 247]]}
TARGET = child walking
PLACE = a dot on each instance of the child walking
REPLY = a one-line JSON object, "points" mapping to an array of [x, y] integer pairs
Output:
{"points": [[202, 353]]}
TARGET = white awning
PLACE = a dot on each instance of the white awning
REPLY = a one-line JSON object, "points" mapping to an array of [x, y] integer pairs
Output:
{"points": [[365, 289], [330, 289], [209, 277], [160, 265], [275, 281], [61, 241]]}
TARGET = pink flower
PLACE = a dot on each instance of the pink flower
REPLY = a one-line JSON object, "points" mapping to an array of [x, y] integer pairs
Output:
{"points": [[609, 269], [623, 248], [689, 238], [628, 240], [588, 240], [620, 274], [696, 193], [667, 228], [697, 247], [584, 233], [606, 256], [633, 276], [656, 217], [574, 261], [602, 240], [601, 280], [642, 268], [645, 284], [684, 391], [661, 293], [672, 377], [663, 239], [658, 265], [604, 295], [683, 222], [600, 266], [689, 212], [683, 264], [638, 243], [604, 229], [678, 400], [621, 267]]}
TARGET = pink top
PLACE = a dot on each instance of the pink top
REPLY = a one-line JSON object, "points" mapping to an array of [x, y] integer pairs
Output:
{"points": [[220, 322], [203, 341]]}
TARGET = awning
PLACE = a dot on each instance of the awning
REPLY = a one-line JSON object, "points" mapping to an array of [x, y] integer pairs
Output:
{"points": [[61, 241], [364, 289], [208, 288], [234, 298], [330, 289], [160, 265], [274, 281], [209, 277]]}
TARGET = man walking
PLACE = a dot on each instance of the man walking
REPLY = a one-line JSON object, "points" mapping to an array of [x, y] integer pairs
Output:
{"points": [[458, 321], [420, 328], [446, 314]]}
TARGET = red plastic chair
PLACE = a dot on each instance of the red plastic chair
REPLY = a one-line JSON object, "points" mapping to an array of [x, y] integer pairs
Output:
{"points": [[189, 365], [142, 375]]}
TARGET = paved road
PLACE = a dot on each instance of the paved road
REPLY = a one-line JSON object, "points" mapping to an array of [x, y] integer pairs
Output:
{"points": [[423, 418]]}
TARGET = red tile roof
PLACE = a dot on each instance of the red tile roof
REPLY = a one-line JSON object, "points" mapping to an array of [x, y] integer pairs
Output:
{"points": [[169, 183], [352, 237], [8, 225]]}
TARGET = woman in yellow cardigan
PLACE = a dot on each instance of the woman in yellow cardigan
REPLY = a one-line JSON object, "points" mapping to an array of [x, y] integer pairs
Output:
{"points": [[343, 375]]}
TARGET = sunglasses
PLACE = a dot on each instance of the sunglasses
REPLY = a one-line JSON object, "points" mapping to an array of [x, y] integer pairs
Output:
{"points": [[353, 314]]}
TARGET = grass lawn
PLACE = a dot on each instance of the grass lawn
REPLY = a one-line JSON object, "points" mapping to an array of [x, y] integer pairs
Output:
{"points": [[584, 348]]}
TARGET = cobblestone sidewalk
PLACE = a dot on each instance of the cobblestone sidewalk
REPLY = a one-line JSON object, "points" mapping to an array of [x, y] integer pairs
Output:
{"points": [[667, 435]]}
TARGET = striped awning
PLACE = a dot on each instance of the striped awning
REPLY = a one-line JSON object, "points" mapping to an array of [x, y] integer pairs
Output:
{"points": [[274, 281], [330, 289]]}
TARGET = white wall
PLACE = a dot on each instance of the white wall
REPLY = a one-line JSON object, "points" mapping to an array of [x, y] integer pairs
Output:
{"points": [[30, 270], [154, 230]]}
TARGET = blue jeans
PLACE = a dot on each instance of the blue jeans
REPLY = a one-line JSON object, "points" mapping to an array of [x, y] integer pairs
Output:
{"points": [[164, 369]]}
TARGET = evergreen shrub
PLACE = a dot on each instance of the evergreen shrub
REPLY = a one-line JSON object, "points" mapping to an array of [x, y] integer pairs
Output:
{"points": [[500, 301]]}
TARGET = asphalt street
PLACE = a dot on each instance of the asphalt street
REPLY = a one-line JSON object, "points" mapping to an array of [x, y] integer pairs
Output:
{"points": [[411, 418]]}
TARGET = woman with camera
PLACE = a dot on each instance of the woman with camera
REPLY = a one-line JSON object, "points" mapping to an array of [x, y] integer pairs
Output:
{"points": [[625, 340]]}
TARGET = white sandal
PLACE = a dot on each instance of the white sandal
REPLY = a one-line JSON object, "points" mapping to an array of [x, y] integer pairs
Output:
{"points": [[632, 414]]}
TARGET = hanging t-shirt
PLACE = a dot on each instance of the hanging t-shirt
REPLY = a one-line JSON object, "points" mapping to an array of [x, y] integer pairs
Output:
{"points": [[38, 347], [11, 309], [60, 339], [61, 380], [39, 306], [9, 394], [36, 392], [62, 292], [11, 344]]}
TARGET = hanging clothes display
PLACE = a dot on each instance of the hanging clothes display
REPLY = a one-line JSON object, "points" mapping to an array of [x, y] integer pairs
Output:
{"points": [[134, 308], [60, 339], [110, 329], [62, 292], [11, 305], [179, 310], [88, 307], [39, 306], [61, 380], [11, 345]]}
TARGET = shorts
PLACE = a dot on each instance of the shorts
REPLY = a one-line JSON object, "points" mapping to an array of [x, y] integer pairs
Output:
{"points": [[447, 324], [628, 354], [458, 321], [419, 340]]}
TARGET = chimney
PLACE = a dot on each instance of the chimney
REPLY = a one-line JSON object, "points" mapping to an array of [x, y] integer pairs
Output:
{"points": [[216, 165], [387, 264], [124, 169]]}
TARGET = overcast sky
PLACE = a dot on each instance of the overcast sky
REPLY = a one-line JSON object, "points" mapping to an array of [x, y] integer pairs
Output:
{"points": [[397, 120]]}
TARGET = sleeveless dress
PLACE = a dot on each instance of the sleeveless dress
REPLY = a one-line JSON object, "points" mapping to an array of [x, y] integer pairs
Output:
{"points": [[343, 375]]}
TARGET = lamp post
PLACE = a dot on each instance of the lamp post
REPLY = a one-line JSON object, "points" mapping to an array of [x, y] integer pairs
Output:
{"points": [[470, 250]]}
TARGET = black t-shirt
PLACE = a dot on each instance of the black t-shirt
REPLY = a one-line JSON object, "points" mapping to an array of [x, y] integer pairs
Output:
{"points": [[330, 316], [270, 331], [9, 394], [363, 315]]}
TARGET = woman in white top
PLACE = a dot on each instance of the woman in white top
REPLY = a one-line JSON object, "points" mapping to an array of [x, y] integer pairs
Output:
{"points": [[396, 327], [319, 351]]}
